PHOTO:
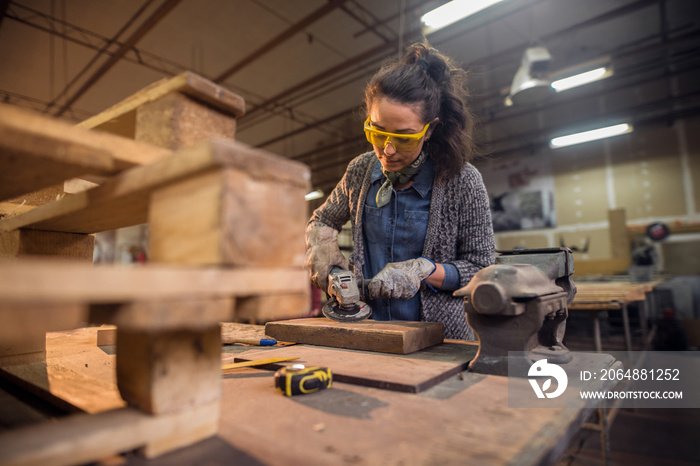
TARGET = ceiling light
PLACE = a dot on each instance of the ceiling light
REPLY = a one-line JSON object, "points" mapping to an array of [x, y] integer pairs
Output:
{"points": [[530, 83], [582, 78], [317, 194], [453, 11], [592, 135]]}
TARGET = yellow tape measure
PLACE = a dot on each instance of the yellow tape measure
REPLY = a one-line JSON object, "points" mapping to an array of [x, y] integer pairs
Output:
{"points": [[298, 379]]}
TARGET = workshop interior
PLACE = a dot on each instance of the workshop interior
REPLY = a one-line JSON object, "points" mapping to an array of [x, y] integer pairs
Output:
{"points": [[160, 161]]}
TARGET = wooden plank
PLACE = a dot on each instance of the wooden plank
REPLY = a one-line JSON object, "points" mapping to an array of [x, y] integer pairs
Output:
{"points": [[50, 283], [123, 200], [24, 321], [619, 239], [23, 348], [24, 242], [38, 151], [84, 438], [113, 119], [14, 208], [32, 157], [64, 388], [232, 332], [411, 373], [369, 335], [165, 314]]}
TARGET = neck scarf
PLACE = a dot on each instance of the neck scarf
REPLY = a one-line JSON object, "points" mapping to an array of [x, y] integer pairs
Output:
{"points": [[402, 176]]}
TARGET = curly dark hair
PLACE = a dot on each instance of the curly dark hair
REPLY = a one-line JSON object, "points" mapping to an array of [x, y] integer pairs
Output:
{"points": [[427, 79]]}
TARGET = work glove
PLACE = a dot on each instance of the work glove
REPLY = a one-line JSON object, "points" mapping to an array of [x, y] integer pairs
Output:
{"points": [[400, 280], [322, 254]]}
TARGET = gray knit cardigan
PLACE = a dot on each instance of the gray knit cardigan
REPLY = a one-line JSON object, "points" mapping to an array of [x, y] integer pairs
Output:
{"points": [[459, 232]]}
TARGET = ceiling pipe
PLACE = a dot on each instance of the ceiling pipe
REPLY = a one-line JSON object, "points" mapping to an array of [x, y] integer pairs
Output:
{"points": [[166, 7], [280, 39]]}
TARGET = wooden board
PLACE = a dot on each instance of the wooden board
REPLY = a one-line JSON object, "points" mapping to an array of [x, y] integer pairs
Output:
{"points": [[369, 335], [232, 332], [411, 373], [83, 438], [23, 243], [38, 151], [123, 200], [48, 282], [64, 388], [117, 117]]}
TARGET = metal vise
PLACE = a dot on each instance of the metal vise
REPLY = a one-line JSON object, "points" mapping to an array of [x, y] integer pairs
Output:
{"points": [[520, 304]]}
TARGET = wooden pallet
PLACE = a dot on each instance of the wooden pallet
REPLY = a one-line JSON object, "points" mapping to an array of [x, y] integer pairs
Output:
{"points": [[226, 222]]}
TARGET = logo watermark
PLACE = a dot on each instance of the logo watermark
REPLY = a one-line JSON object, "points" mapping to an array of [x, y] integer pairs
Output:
{"points": [[626, 379], [543, 368]]}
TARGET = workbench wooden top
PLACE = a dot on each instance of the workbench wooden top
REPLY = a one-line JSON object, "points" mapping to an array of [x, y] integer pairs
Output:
{"points": [[462, 420], [612, 291]]}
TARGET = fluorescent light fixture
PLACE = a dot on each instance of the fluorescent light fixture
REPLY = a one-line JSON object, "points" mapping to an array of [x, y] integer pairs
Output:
{"points": [[582, 78], [317, 194], [592, 135], [453, 11]]}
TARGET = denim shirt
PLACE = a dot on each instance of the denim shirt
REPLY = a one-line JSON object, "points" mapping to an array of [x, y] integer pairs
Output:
{"points": [[395, 233]]}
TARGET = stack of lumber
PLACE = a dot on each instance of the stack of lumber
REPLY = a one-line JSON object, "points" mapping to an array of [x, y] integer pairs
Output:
{"points": [[226, 225]]}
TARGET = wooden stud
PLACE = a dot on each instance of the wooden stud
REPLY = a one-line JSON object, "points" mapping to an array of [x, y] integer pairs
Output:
{"points": [[228, 218], [167, 372], [176, 120]]}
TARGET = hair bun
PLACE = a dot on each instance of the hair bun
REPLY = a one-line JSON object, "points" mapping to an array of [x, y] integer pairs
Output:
{"points": [[429, 60]]}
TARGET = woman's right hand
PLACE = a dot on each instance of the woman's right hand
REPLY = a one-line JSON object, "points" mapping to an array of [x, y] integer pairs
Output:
{"points": [[322, 254]]}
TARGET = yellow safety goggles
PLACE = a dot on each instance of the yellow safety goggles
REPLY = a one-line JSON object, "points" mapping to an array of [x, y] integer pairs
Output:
{"points": [[401, 142]]}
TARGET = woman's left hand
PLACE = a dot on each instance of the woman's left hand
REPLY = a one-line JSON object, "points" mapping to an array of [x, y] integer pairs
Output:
{"points": [[400, 280]]}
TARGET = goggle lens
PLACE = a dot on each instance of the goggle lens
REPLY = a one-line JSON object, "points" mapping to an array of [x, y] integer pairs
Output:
{"points": [[400, 142]]}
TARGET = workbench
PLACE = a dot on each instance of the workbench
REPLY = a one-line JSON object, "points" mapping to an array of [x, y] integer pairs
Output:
{"points": [[596, 296], [464, 419]]}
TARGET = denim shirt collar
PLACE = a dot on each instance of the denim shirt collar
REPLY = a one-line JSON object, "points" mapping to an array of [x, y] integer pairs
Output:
{"points": [[422, 183]]}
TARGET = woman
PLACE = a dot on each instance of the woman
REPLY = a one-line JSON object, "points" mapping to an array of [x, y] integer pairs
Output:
{"points": [[420, 215]]}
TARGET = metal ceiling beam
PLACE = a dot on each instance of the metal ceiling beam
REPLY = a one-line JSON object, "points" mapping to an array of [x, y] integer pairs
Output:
{"points": [[107, 45], [615, 84], [552, 37], [308, 127], [3, 9], [627, 9], [166, 7], [382, 50], [280, 39]]}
